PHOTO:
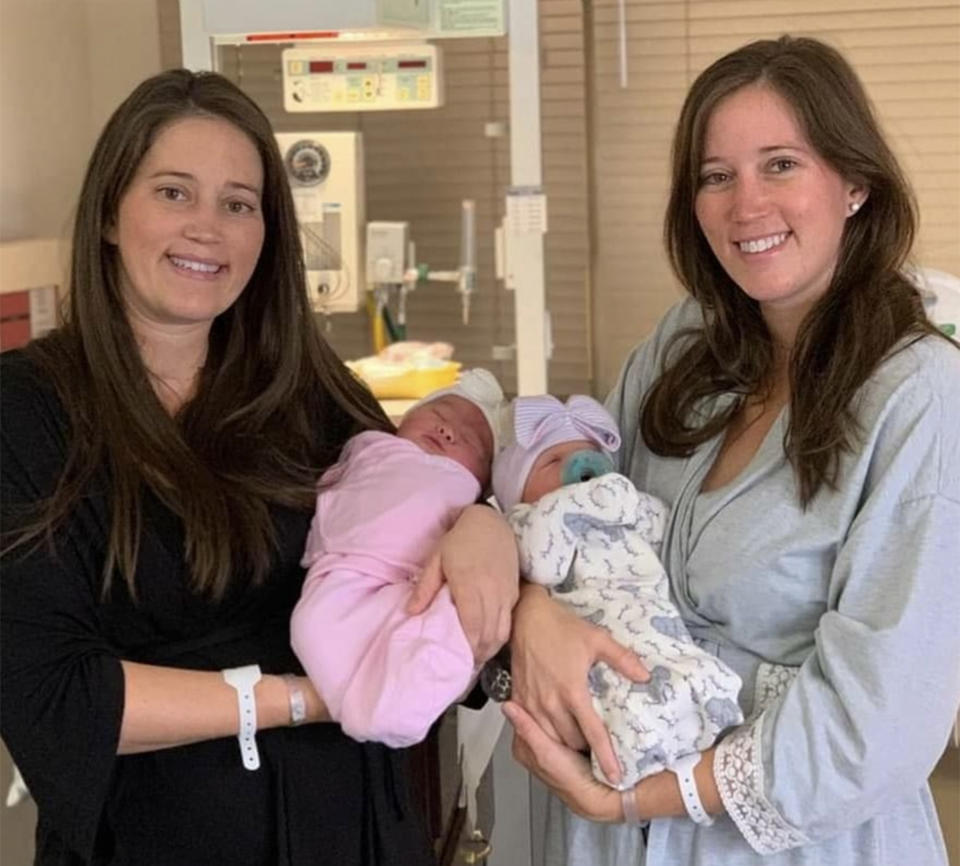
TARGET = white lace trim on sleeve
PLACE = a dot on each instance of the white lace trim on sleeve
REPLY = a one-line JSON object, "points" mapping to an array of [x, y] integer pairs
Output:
{"points": [[738, 771], [772, 681]]}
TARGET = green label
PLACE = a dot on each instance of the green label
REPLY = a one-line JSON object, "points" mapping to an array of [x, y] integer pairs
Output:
{"points": [[467, 15]]}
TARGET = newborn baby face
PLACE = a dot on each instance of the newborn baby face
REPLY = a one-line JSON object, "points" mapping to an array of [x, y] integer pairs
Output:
{"points": [[455, 428], [547, 472]]}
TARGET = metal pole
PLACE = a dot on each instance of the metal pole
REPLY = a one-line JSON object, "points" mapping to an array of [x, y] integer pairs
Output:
{"points": [[526, 242]]}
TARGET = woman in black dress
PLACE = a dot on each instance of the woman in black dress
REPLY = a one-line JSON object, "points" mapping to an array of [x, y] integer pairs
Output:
{"points": [[159, 456]]}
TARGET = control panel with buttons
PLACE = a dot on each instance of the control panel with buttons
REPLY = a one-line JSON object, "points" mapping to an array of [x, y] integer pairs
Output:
{"points": [[371, 77]]}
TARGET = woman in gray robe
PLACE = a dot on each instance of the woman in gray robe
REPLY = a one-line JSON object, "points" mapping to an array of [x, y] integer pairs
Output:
{"points": [[799, 415]]}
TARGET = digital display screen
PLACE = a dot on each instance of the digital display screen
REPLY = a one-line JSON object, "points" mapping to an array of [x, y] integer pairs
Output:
{"points": [[356, 66], [411, 64], [321, 66]]}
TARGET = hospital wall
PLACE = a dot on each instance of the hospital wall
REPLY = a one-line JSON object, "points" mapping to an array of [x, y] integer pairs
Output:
{"points": [[64, 67]]}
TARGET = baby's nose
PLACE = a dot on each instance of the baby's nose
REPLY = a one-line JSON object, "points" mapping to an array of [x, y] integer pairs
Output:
{"points": [[447, 433]]}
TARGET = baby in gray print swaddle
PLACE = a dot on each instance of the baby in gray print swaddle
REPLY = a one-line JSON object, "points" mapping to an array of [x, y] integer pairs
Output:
{"points": [[589, 535]]}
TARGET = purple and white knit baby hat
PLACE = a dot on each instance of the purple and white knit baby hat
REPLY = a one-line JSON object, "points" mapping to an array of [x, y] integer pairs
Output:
{"points": [[540, 423]]}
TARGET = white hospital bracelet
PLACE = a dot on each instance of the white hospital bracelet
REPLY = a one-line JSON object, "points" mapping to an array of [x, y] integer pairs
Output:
{"points": [[243, 680], [683, 768]]}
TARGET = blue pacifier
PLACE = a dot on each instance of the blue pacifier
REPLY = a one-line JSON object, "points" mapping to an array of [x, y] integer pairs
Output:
{"points": [[584, 465]]}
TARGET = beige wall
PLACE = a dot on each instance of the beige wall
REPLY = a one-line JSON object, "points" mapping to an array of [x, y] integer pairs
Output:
{"points": [[44, 103], [123, 48], [64, 65]]}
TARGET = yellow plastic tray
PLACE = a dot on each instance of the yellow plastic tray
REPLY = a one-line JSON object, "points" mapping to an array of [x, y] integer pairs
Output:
{"points": [[411, 384]]}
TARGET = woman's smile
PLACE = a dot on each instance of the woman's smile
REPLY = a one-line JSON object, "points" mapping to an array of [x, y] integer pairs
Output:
{"points": [[196, 268], [763, 244]]}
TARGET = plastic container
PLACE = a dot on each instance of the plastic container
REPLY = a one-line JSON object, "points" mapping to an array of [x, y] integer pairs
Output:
{"points": [[405, 383]]}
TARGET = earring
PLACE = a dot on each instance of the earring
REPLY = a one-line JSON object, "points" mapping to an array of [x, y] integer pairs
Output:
{"points": [[854, 206]]}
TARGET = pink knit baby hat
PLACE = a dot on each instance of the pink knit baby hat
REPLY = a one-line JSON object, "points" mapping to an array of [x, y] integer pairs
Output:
{"points": [[540, 423]]}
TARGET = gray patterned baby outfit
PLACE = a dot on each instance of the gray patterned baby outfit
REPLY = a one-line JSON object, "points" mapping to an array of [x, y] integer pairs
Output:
{"points": [[596, 545]]}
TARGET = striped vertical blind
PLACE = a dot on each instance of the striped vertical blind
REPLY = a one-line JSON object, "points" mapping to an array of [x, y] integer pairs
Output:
{"points": [[907, 54]]}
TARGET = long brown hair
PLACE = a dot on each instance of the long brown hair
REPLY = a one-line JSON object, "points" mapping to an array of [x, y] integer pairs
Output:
{"points": [[867, 310], [273, 403]]}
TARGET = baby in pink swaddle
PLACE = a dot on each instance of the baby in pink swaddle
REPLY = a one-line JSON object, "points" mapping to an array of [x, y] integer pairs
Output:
{"points": [[381, 510]]}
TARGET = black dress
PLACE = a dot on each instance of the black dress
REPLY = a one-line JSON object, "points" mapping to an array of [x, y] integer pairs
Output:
{"points": [[318, 798]]}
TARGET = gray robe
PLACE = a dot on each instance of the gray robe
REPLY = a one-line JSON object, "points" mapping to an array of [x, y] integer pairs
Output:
{"points": [[843, 621]]}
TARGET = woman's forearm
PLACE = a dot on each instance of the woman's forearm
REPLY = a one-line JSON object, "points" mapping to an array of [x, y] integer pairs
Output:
{"points": [[658, 796], [166, 707], [478, 559], [569, 774]]}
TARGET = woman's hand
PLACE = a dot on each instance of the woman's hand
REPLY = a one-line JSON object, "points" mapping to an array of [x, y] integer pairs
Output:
{"points": [[567, 773], [551, 655], [561, 769], [478, 560]]}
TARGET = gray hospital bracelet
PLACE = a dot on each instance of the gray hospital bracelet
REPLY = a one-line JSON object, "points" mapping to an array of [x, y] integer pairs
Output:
{"points": [[628, 799], [683, 768], [243, 680], [298, 703]]}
